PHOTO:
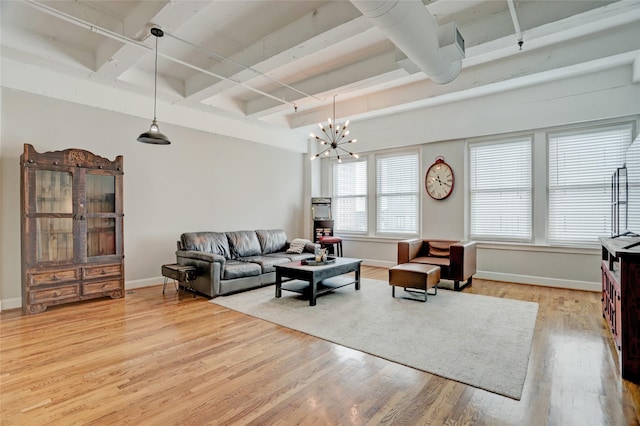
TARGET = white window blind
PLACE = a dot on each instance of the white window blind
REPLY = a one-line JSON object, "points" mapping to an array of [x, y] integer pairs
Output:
{"points": [[350, 196], [500, 190], [397, 194], [580, 168]]}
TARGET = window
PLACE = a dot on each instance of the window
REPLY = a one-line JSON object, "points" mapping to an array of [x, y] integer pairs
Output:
{"points": [[500, 190], [397, 194], [580, 167], [350, 196]]}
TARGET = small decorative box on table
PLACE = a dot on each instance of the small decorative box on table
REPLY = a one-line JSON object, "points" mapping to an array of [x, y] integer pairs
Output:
{"points": [[180, 273]]}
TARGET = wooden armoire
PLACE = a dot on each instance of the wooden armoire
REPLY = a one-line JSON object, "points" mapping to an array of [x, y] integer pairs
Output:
{"points": [[72, 227]]}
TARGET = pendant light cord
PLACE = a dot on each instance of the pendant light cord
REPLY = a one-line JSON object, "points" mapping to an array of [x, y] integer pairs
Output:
{"points": [[155, 82]]}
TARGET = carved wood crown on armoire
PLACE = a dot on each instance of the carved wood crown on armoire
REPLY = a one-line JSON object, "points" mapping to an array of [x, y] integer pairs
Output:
{"points": [[72, 227]]}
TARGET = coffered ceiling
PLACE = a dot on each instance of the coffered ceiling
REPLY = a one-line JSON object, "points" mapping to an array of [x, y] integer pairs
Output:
{"points": [[278, 64]]}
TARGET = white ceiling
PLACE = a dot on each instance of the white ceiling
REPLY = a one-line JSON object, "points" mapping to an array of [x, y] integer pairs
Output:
{"points": [[280, 63]]}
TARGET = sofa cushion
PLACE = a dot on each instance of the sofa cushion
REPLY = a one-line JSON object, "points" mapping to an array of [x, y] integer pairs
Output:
{"points": [[243, 244], [209, 242], [236, 269], [292, 257], [267, 263], [439, 248], [271, 240], [433, 260]]}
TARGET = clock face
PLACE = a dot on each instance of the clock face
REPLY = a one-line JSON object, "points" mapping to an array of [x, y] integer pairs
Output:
{"points": [[439, 180]]}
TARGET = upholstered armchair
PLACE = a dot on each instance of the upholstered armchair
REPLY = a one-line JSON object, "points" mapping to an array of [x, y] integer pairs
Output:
{"points": [[456, 259]]}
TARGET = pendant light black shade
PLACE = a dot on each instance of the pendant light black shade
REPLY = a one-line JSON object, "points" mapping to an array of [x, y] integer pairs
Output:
{"points": [[153, 135]]}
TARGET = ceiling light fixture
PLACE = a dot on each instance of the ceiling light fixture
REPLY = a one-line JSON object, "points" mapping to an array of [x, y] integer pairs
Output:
{"points": [[335, 133], [153, 135]]}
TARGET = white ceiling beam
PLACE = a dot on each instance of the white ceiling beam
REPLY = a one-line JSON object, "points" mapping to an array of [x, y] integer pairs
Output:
{"points": [[368, 72], [113, 59], [47, 50], [330, 24], [534, 67]]}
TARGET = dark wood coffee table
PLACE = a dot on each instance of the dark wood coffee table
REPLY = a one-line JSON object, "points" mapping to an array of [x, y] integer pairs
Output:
{"points": [[316, 280]]}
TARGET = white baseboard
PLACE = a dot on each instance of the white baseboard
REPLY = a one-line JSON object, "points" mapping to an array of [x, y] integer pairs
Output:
{"points": [[16, 302], [146, 282], [12, 303], [541, 281], [515, 278], [378, 263]]}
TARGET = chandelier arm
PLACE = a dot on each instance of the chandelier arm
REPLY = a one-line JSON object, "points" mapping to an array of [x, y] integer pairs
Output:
{"points": [[320, 153]]}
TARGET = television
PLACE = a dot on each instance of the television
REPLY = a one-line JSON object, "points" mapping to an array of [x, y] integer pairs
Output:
{"points": [[632, 165]]}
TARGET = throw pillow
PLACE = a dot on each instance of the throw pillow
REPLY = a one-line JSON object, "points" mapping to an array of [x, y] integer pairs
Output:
{"points": [[439, 249], [297, 245]]}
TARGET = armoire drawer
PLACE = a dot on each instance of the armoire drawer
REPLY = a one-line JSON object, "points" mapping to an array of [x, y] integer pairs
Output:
{"points": [[53, 277], [47, 295], [101, 287], [91, 272]]}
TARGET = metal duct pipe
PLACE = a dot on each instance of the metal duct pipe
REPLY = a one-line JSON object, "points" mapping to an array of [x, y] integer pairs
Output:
{"points": [[410, 26]]}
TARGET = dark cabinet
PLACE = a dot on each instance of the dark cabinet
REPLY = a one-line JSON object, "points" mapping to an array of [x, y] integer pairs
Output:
{"points": [[621, 300], [72, 227], [322, 228]]}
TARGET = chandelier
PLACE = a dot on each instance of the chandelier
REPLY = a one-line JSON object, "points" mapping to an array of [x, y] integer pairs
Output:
{"points": [[334, 136]]}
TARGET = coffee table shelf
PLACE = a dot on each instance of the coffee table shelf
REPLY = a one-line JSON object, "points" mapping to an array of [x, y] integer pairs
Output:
{"points": [[313, 281], [325, 286]]}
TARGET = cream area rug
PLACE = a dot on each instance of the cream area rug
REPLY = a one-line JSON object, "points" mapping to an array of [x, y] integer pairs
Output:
{"points": [[478, 340]]}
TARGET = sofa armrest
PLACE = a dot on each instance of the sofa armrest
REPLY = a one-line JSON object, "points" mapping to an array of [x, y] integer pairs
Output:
{"points": [[463, 260], [311, 247], [210, 269], [409, 249]]}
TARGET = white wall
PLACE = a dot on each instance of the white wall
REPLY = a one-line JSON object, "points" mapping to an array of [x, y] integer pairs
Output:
{"points": [[445, 129], [201, 182], [209, 182]]}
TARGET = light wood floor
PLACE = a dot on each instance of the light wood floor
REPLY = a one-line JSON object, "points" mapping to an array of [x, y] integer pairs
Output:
{"points": [[157, 360]]}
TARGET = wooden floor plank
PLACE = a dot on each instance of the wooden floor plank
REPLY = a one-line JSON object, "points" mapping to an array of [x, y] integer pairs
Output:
{"points": [[151, 359]]}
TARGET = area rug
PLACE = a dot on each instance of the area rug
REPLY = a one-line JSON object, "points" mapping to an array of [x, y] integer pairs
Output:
{"points": [[478, 340]]}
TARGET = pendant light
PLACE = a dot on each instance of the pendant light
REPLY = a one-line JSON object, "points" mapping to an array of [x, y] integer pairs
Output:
{"points": [[153, 135], [334, 135]]}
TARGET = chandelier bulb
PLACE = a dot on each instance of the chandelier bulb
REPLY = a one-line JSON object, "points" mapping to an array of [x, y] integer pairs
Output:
{"points": [[346, 133], [346, 124]]}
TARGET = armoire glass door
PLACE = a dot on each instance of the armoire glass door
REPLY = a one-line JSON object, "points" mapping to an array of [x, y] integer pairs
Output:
{"points": [[54, 215], [100, 214]]}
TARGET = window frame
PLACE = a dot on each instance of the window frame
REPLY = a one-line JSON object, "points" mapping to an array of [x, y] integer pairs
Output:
{"points": [[372, 196], [605, 185], [417, 193], [527, 138]]}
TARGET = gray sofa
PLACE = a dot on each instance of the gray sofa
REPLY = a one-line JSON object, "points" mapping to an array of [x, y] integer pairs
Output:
{"points": [[229, 262]]}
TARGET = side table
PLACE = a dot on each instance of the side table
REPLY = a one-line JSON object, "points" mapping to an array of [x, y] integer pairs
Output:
{"points": [[180, 273]]}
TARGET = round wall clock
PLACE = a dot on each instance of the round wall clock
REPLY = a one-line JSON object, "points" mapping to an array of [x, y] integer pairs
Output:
{"points": [[439, 180]]}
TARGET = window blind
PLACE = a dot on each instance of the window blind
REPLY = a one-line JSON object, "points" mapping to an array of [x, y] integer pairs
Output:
{"points": [[397, 194], [580, 169], [350, 196], [500, 190], [632, 160]]}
